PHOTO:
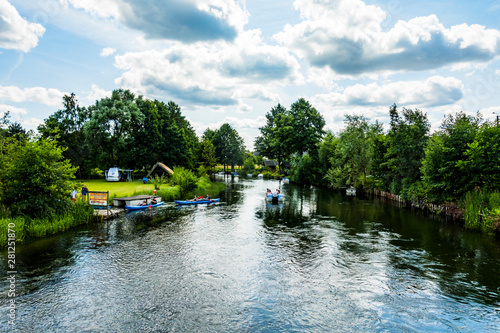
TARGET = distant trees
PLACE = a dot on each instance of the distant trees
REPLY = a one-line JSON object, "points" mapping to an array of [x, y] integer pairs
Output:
{"points": [[287, 132], [122, 130], [229, 146]]}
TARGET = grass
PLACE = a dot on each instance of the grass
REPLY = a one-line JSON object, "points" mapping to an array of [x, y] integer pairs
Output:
{"points": [[118, 189]]}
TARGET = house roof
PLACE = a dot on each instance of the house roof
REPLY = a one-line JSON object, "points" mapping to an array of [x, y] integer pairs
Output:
{"points": [[270, 163]]}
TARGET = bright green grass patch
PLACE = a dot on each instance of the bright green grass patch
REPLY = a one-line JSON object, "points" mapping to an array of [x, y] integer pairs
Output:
{"points": [[118, 189]]}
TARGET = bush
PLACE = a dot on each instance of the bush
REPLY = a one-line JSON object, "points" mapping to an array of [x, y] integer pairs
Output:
{"points": [[185, 179], [35, 179]]}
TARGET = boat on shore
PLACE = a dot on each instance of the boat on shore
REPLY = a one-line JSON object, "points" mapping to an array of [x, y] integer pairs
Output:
{"points": [[140, 207], [197, 202]]}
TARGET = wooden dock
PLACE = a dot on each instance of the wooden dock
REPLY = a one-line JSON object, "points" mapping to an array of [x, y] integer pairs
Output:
{"points": [[105, 214], [134, 200]]}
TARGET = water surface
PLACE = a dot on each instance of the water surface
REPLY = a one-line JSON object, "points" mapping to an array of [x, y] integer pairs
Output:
{"points": [[320, 262]]}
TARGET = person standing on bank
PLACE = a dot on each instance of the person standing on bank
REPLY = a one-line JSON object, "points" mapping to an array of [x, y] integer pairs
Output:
{"points": [[85, 191]]}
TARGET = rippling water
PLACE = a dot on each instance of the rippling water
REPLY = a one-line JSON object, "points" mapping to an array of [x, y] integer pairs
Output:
{"points": [[320, 262]]}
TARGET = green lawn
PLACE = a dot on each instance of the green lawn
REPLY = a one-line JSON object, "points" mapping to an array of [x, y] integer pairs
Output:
{"points": [[117, 189]]}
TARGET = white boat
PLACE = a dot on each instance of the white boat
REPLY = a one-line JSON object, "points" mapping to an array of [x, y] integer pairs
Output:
{"points": [[350, 191], [249, 175], [260, 176], [286, 181]]}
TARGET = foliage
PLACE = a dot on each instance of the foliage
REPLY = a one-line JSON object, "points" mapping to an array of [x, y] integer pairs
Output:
{"points": [[208, 156], [185, 179], [248, 165], [406, 145], [483, 156], [229, 146], [66, 127], [275, 140], [305, 169], [443, 178], [352, 157], [307, 127], [35, 179], [158, 181]]}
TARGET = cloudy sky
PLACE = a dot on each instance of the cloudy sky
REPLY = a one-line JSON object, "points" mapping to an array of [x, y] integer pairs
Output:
{"points": [[233, 60]]}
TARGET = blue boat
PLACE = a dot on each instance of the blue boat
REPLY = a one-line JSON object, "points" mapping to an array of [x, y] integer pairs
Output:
{"points": [[139, 207], [275, 196], [202, 201]]}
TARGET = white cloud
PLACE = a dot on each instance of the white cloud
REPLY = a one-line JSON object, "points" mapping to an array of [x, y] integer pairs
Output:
{"points": [[435, 91], [15, 32], [217, 74], [184, 20], [96, 94], [347, 37], [51, 97], [12, 109], [107, 51]]}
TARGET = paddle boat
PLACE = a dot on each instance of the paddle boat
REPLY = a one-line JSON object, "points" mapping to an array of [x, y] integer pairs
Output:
{"points": [[286, 181], [350, 191], [275, 197], [197, 202], [139, 207]]}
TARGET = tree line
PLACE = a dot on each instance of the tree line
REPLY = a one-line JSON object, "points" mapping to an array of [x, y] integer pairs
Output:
{"points": [[460, 158]]}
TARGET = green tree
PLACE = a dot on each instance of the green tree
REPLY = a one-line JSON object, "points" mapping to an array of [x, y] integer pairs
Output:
{"points": [[483, 155], [353, 156], [35, 179], [444, 180], [407, 138], [275, 141], [109, 128], [229, 146], [66, 127], [307, 127], [208, 158]]}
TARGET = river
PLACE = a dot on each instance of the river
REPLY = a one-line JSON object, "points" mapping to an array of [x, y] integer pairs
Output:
{"points": [[319, 262]]}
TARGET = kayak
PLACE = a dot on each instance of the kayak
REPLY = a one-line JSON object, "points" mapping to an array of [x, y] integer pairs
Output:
{"points": [[144, 207], [202, 201]]}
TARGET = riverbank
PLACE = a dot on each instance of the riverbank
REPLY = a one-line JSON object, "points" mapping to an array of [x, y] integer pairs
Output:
{"points": [[450, 210]]}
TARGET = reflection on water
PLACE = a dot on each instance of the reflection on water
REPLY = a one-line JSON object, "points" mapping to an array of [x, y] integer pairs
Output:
{"points": [[320, 261]]}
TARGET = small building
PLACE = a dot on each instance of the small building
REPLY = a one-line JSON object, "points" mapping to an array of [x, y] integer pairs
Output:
{"points": [[159, 169], [271, 164]]}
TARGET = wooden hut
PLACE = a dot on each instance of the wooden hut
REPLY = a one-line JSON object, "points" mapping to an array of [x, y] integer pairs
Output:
{"points": [[271, 164]]}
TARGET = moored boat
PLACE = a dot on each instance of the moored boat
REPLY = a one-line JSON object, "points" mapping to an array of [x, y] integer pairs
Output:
{"points": [[139, 207], [197, 202]]}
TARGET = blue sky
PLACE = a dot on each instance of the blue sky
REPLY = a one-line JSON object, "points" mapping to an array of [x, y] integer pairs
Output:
{"points": [[233, 60]]}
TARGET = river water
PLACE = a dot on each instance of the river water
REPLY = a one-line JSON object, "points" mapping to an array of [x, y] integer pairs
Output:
{"points": [[319, 262]]}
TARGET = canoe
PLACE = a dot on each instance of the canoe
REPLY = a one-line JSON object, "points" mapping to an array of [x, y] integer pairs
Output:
{"points": [[203, 201], [144, 207]]}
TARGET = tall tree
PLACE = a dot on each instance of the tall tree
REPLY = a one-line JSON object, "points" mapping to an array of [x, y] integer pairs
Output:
{"points": [[275, 140], [110, 126], [66, 127], [229, 146], [444, 180], [307, 127], [407, 138], [483, 155], [353, 156]]}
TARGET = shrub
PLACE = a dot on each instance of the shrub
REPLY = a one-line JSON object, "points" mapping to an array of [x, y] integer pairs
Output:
{"points": [[185, 179]]}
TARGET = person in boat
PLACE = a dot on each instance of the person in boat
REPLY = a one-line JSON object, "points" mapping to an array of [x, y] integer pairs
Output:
{"points": [[208, 197], [153, 200], [278, 191], [268, 191], [195, 198], [143, 203]]}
